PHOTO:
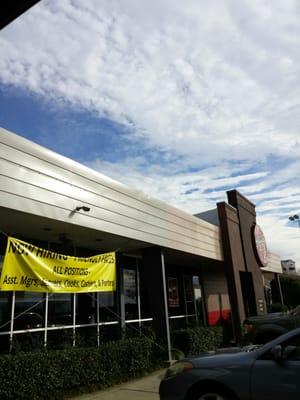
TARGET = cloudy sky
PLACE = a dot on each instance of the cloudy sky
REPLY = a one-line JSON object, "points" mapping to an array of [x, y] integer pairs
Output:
{"points": [[180, 99]]}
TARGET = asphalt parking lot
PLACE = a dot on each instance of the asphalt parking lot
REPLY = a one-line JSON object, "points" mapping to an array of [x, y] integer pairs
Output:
{"points": [[140, 389]]}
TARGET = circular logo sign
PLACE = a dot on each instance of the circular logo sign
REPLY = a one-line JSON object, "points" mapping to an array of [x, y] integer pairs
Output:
{"points": [[260, 246]]}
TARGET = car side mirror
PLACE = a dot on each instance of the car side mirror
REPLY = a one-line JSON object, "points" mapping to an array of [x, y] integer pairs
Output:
{"points": [[276, 352], [288, 351]]}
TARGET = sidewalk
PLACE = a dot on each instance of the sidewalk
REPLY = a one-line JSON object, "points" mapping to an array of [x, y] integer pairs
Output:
{"points": [[140, 389]]}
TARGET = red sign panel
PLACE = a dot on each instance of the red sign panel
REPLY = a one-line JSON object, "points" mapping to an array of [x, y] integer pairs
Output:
{"points": [[260, 246]]}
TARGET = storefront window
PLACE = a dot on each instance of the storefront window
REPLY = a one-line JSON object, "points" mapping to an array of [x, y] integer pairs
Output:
{"points": [[130, 289], [144, 295], [199, 306], [137, 306], [189, 295], [107, 307], [86, 308], [60, 309], [173, 295], [130, 286], [193, 297], [184, 299], [29, 310]]}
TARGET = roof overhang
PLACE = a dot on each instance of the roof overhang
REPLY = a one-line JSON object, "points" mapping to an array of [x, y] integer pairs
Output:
{"points": [[12, 9]]}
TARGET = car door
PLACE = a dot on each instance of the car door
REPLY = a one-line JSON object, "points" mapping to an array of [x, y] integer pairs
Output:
{"points": [[277, 379]]}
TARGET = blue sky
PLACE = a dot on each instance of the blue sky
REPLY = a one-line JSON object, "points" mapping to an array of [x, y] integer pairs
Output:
{"points": [[182, 100]]}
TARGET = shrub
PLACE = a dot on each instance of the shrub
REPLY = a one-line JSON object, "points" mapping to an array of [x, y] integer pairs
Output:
{"points": [[192, 341], [52, 374], [277, 307]]}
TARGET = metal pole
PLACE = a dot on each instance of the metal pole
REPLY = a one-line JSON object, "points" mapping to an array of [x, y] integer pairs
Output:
{"points": [[280, 289], [74, 319], [74, 308], [46, 320], [121, 300], [138, 292], [184, 299], [98, 321], [46, 309], [166, 306], [12, 320], [194, 295]]}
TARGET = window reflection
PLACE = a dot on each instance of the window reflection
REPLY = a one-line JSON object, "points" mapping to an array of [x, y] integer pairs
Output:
{"points": [[173, 294], [130, 294], [29, 310], [107, 307], [185, 299], [86, 308], [193, 296], [198, 298], [145, 301], [136, 297], [189, 295], [60, 309], [130, 288]]}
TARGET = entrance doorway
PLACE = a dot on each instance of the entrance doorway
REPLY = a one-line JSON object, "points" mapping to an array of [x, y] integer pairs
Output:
{"points": [[248, 293]]}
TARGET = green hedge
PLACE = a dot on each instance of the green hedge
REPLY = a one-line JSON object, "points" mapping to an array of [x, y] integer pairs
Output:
{"points": [[193, 341], [55, 373]]}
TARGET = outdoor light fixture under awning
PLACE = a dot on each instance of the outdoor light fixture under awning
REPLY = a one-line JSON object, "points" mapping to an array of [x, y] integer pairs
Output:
{"points": [[83, 208]]}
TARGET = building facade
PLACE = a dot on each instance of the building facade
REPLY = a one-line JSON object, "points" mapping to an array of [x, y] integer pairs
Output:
{"points": [[289, 267], [174, 269]]}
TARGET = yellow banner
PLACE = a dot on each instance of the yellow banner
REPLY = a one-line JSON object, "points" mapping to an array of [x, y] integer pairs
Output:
{"points": [[30, 268]]}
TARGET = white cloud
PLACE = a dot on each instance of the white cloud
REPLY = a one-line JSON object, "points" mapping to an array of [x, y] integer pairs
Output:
{"points": [[200, 190], [214, 84], [197, 78]]}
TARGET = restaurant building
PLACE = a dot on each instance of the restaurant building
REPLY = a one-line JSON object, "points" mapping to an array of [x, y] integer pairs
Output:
{"points": [[173, 269]]}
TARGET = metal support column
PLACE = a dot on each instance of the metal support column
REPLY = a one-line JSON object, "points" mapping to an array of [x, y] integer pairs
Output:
{"points": [[166, 307], [74, 319], [279, 288], [46, 320], [138, 292], [12, 321], [121, 296], [98, 321]]}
